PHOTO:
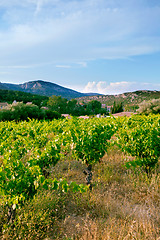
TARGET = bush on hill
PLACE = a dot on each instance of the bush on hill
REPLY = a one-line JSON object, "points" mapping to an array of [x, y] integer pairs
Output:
{"points": [[152, 106]]}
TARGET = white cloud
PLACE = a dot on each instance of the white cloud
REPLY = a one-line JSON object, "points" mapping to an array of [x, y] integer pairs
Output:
{"points": [[63, 66], [4, 73], [91, 87], [73, 65], [118, 87], [22, 66], [82, 64]]}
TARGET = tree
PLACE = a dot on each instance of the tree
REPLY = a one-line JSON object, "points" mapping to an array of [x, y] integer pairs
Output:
{"points": [[93, 107], [71, 106], [57, 103], [117, 107]]}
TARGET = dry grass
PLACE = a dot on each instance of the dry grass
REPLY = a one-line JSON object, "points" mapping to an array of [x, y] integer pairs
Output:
{"points": [[123, 205]]}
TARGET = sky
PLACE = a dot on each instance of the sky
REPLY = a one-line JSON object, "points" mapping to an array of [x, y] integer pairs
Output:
{"points": [[102, 46]]}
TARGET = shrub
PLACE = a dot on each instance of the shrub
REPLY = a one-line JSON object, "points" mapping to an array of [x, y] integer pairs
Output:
{"points": [[153, 106], [49, 114], [21, 111]]}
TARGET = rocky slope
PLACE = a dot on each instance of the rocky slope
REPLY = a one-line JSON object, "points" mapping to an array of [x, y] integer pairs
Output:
{"points": [[44, 88]]}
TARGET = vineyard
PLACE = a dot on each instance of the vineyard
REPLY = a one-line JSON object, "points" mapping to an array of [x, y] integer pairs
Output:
{"points": [[47, 165]]}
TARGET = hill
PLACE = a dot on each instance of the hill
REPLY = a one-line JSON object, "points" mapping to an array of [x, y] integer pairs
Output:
{"points": [[130, 99], [44, 88]]}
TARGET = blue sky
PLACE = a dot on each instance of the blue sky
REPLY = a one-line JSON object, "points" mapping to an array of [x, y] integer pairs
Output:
{"points": [[105, 46]]}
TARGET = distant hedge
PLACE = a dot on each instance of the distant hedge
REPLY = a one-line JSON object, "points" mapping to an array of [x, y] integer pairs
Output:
{"points": [[22, 111]]}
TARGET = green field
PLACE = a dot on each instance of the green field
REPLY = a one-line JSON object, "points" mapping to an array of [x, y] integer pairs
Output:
{"points": [[45, 194]]}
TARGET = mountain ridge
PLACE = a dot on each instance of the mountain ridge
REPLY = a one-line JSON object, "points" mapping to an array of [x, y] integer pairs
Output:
{"points": [[44, 88]]}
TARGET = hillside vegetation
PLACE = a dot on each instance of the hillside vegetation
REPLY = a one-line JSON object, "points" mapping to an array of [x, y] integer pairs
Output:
{"points": [[130, 100], [152, 106], [9, 96]]}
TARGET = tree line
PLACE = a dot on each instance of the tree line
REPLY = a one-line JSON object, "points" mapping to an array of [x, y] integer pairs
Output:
{"points": [[9, 96], [21, 111], [73, 107]]}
